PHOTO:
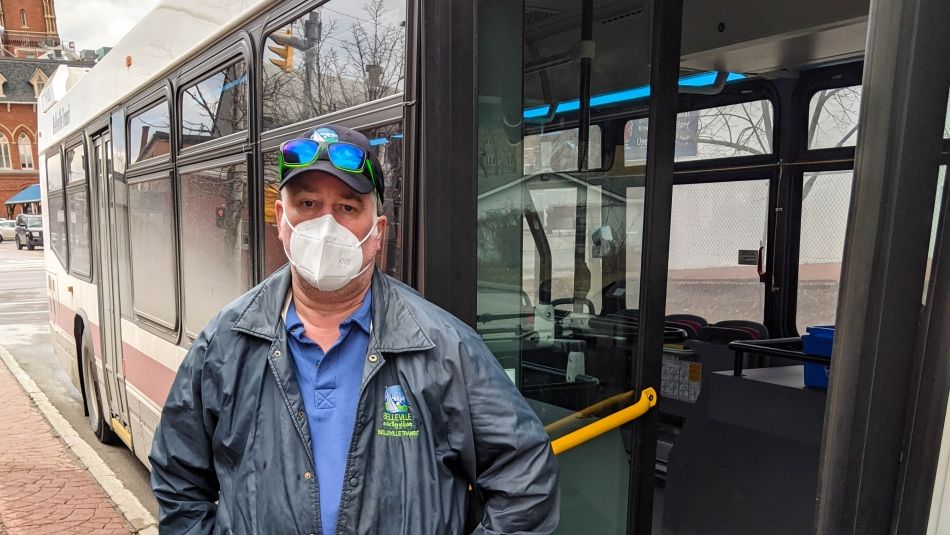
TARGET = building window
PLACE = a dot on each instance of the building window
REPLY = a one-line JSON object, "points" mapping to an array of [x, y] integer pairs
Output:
{"points": [[5, 162], [39, 82], [26, 151], [23, 23]]}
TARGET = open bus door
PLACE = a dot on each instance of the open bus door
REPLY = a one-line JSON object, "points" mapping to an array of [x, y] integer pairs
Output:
{"points": [[116, 411]]}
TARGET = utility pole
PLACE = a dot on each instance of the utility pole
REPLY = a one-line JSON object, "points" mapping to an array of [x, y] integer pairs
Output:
{"points": [[313, 34]]}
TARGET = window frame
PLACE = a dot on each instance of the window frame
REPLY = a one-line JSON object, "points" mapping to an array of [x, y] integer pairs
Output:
{"points": [[57, 153], [233, 53], [70, 188], [235, 159], [8, 155], [148, 321], [152, 100], [29, 147]]}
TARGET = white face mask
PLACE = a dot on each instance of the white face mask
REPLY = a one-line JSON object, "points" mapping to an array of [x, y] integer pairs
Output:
{"points": [[326, 254]]}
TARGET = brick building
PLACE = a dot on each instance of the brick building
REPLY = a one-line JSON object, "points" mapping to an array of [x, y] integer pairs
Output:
{"points": [[29, 35], [29, 27]]}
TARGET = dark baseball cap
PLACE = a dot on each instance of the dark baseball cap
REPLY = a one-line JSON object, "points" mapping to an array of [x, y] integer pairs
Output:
{"points": [[360, 182]]}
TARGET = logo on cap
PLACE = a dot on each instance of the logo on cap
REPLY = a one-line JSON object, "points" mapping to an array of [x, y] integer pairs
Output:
{"points": [[325, 135]]}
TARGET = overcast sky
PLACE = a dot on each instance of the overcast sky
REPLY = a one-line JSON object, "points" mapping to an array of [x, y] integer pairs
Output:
{"points": [[97, 23]]}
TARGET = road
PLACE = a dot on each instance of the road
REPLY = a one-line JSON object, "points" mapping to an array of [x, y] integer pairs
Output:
{"points": [[25, 333]]}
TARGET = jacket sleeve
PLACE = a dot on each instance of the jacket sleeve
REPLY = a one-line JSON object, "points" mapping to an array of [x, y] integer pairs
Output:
{"points": [[515, 469], [183, 476]]}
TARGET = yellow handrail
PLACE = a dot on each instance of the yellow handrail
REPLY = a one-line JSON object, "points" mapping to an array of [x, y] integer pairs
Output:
{"points": [[648, 399], [592, 410]]}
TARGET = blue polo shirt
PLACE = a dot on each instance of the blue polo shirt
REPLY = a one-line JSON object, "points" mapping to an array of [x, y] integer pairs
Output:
{"points": [[330, 386]]}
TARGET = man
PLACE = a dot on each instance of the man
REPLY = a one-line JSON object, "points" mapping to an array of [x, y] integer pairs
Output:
{"points": [[333, 399]]}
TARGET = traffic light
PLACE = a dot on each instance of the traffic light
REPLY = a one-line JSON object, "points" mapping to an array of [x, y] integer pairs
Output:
{"points": [[284, 52], [219, 220]]}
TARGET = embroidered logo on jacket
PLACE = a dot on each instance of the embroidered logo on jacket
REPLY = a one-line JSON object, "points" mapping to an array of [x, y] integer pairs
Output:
{"points": [[397, 418]]}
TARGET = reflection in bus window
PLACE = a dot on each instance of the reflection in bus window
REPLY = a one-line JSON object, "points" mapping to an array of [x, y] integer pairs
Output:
{"points": [[214, 233], [388, 143], [743, 129], [333, 58], [710, 224], [57, 226], [833, 117], [80, 246], [215, 107], [54, 173], [152, 243], [826, 198], [149, 133], [557, 151], [76, 164]]}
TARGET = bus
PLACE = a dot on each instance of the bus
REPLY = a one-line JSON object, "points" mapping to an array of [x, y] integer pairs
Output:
{"points": [[618, 197]]}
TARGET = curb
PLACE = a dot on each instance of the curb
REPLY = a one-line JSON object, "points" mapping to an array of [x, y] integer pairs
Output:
{"points": [[131, 508]]}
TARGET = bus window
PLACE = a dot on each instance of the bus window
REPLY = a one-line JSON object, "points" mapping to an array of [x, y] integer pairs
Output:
{"points": [[80, 246], [215, 107], [152, 245], [57, 207], [149, 133], [826, 198], [334, 57], [711, 225], [213, 233], [833, 117], [743, 129]]}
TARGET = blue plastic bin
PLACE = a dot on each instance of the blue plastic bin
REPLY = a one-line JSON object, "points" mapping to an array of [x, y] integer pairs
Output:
{"points": [[818, 341]]}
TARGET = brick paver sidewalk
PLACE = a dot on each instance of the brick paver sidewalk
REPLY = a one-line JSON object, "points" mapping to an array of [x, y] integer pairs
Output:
{"points": [[43, 488]]}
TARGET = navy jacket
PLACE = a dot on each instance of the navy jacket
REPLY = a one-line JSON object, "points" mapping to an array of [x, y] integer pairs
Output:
{"points": [[232, 452]]}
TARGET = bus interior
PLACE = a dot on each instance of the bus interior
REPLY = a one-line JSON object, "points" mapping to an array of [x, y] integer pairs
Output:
{"points": [[769, 98]]}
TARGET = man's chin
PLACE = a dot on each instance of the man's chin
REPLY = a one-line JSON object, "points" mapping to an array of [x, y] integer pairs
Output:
{"points": [[350, 289]]}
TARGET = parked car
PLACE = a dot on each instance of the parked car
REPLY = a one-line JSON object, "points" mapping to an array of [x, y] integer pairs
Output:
{"points": [[7, 230], [29, 231]]}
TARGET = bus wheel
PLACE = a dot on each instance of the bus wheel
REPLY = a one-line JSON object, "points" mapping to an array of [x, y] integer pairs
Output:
{"points": [[90, 386]]}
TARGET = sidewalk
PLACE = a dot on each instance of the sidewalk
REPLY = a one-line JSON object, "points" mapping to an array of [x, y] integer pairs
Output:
{"points": [[43, 487]]}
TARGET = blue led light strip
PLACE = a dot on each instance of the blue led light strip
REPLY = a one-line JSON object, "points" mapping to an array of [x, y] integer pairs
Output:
{"points": [[625, 95]]}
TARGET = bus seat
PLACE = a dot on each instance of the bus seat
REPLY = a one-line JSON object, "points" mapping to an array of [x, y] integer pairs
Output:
{"points": [[761, 330], [688, 317]]}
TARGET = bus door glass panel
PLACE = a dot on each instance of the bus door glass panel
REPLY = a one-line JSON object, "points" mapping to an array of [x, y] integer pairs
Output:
{"points": [[559, 229], [110, 317]]}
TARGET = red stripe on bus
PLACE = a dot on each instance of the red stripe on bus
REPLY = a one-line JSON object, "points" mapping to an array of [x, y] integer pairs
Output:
{"points": [[65, 318], [149, 376], [146, 374]]}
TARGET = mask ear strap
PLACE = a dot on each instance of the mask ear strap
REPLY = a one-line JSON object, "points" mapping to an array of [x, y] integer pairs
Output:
{"points": [[370, 233]]}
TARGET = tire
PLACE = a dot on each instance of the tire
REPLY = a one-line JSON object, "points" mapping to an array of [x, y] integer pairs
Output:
{"points": [[19, 246], [1, 238], [90, 387], [30, 246]]}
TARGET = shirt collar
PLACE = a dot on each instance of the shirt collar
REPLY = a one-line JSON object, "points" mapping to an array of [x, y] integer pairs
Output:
{"points": [[362, 316]]}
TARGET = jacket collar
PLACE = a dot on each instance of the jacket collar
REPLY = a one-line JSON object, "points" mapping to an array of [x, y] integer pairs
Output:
{"points": [[396, 328]]}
